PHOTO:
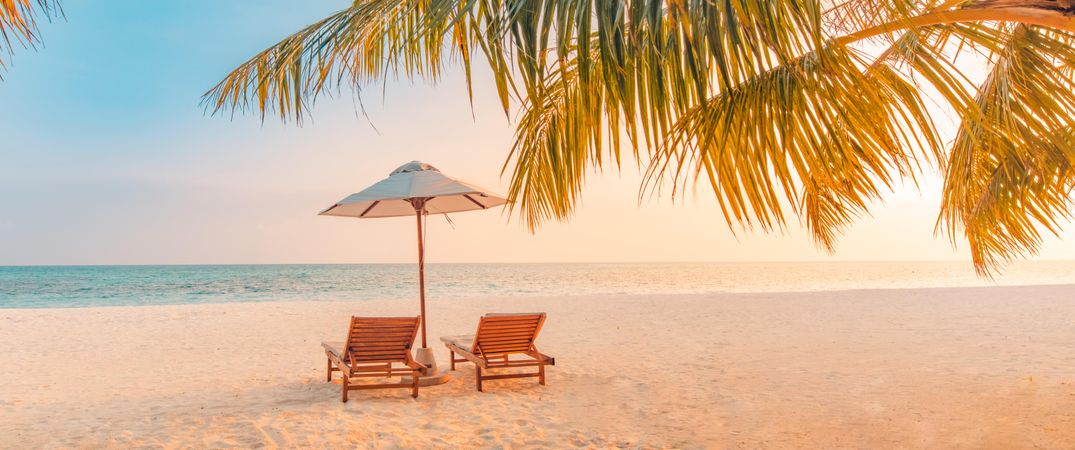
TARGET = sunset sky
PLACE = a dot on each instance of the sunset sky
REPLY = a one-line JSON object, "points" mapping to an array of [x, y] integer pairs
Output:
{"points": [[108, 158]]}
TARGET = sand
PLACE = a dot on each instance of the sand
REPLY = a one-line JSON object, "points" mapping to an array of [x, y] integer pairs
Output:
{"points": [[922, 368]]}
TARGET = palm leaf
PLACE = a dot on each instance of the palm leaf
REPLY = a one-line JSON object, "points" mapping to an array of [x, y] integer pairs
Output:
{"points": [[370, 41], [18, 24], [834, 134], [1009, 175]]}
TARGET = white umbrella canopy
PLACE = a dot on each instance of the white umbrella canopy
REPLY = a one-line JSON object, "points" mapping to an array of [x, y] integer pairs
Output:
{"points": [[412, 184], [417, 189]]}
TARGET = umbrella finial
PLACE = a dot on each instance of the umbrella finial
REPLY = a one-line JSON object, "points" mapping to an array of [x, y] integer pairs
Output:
{"points": [[413, 166]]}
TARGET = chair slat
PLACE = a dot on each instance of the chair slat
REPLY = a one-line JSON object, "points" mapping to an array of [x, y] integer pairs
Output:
{"points": [[394, 334], [382, 336], [384, 320], [382, 329], [527, 337], [504, 351], [484, 343], [486, 346], [376, 360], [505, 332], [512, 318], [509, 324], [388, 356], [505, 347], [527, 331], [363, 329], [396, 348], [482, 337]]}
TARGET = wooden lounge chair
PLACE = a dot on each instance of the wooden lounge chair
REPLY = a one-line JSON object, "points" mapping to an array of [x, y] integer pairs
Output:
{"points": [[373, 345], [500, 336]]}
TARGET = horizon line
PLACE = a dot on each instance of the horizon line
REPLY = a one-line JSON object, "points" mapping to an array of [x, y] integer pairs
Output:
{"points": [[527, 263]]}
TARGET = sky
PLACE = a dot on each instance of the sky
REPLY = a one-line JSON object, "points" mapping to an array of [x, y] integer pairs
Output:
{"points": [[107, 157]]}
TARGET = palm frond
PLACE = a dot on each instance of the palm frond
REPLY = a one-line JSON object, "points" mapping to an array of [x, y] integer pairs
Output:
{"points": [[556, 143], [847, 16], [1009, 175], [642, 68], [821, 137], [367, 42], [18, 23]]}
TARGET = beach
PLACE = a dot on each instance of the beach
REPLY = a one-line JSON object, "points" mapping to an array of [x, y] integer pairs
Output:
{"points": [[969, 367], [736, 225]]}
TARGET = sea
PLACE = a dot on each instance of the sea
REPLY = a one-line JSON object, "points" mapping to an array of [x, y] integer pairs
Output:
{"points": [[93, 286]]}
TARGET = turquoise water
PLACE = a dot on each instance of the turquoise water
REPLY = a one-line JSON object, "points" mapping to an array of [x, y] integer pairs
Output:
{"points": [[82, 286]]}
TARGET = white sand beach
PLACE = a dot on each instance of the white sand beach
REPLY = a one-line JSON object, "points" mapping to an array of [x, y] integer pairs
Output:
{"points": [[917, 368]]}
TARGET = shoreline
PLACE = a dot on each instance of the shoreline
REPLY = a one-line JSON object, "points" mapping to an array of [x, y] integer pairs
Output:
{"points": [[539, 297]]}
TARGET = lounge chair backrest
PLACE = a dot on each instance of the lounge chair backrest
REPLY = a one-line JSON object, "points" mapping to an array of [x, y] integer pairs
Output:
{"points": [[503, 334], [380, 339]]}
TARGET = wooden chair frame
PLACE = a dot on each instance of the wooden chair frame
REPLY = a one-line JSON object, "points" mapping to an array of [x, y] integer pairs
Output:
{"points": [[373, 345], [498, 337]]}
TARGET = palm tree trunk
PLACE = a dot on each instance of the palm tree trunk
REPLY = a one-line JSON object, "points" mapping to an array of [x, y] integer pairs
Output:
{"points": [[1059, 14]]}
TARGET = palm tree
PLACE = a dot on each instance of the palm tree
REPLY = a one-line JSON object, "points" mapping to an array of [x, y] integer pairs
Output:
{"points": [[801, 108], [18, 23]]}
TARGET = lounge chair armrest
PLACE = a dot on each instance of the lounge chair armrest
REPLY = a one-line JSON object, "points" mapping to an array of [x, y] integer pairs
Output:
{"points": [[422, 368], [466, 354], [340, 364], [542, 357]]}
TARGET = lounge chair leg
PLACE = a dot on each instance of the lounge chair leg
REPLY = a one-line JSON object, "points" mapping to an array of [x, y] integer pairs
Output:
{"points": [[541, 374], [478, 376], [328, 371], [345, 388], [452, 354], [414, 383]]}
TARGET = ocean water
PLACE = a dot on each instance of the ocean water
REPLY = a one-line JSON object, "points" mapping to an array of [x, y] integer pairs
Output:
{"points": [[82, 286]]}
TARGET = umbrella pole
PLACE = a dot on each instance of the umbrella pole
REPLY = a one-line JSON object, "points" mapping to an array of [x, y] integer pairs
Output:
{"points": [[424, 355], [421, 272]]}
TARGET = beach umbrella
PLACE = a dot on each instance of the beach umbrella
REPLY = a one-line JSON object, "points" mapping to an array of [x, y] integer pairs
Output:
{"points": [[417, 189]]}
